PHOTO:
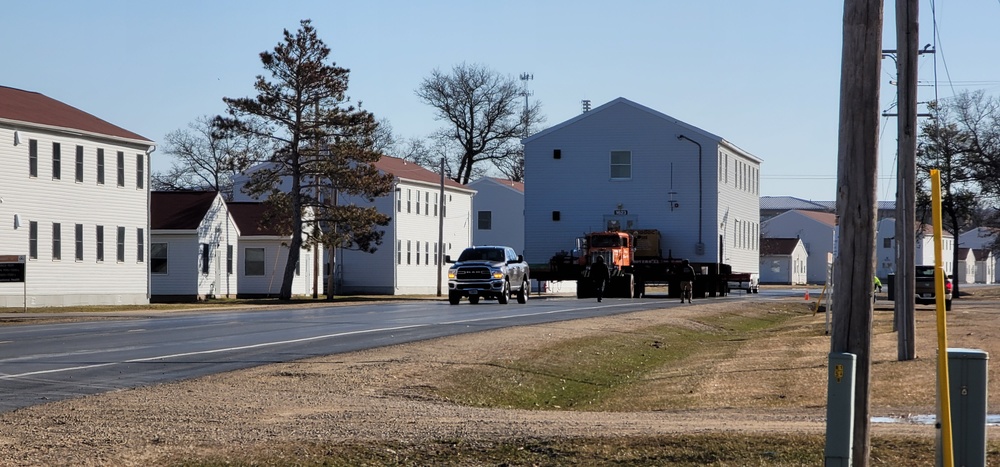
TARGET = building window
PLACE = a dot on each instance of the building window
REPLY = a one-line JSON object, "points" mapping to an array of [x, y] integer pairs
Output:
{"points": [[100, 166], [427, 203], [253, 261], [621, 165], [121, 245], [140, 172], [79, 163], [427, 253], [418, 202], [229, 259], [408, 252], [435, 204], [399, 252], [158, 258], [409, 200], [56, 241], [418, 248], [204, 258], [78, 233], [140, 245], [121, 168], [100, 243], [32, 158], [556, 215], [56, 161], [436, 254], [485, 220], [33, 240], [887, 242]]}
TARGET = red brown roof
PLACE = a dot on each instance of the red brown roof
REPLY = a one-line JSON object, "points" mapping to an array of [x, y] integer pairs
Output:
{"points": [[409, 171], [32, 107], [179, 210], [248, 216], [777, 246], [519, 186], [824, 217]]}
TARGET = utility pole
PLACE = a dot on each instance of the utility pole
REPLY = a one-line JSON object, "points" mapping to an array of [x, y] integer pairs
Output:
{"points": [[440, 252], [905, 281], [857, 177]]}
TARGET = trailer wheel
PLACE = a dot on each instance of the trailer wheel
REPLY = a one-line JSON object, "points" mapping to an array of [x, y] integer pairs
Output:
{"points": [[626, 286]]}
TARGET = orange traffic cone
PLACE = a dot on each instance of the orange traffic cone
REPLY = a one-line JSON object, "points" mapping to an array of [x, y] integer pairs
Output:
{"points": [[807, 295]]}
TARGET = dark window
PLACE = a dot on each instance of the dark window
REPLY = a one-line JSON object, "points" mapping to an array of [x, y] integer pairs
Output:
{"points": [[100, 166], [121, 245], [253, 261], [121, 168], [557, 153], [140, 245], [485, 220], [79, 163], [79, 242], [204, 258], [427, 252], [100, 242], [56, 241], [399, 252], [621, 165], [887, 242], [33, 240], [33, 158], [56, 161], [140, 172], [555, 215], [158, 258], [409, 252], [409, 200], [229, 259]]}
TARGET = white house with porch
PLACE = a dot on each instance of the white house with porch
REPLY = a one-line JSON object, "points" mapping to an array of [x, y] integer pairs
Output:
{"points": [[192, 247]]}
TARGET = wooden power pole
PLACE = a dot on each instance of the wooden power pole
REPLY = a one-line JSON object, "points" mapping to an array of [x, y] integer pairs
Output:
{"points": [[905, 281], [857, 177]]}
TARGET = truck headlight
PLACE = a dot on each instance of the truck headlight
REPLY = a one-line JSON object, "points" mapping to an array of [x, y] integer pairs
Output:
{"points": [[451, 274], [498, 274]]}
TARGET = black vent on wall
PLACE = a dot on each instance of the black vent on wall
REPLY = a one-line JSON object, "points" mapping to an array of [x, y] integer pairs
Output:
{"points": [[557, 153]]}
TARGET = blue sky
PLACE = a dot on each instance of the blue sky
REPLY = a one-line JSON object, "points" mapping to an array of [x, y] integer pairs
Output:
{"points": [[762, 74]]}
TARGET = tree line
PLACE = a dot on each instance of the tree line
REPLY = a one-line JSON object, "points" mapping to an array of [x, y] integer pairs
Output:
{"points": [[301, 143]]}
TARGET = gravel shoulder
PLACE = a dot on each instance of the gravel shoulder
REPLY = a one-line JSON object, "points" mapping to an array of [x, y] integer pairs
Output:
{"points": [[385, 394]]}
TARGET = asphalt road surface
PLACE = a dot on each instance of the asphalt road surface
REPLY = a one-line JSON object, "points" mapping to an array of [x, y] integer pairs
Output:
{"points": [[48, 362]]}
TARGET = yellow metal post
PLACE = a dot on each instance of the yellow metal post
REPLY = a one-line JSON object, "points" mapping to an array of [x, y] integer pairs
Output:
{"points": [[944, 394]]}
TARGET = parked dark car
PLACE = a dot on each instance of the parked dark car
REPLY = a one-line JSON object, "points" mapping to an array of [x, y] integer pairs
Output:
{"points": [[925, 288], [493, 272]]}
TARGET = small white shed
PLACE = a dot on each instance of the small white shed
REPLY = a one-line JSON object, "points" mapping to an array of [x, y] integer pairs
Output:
{"points": [[783, 261]]}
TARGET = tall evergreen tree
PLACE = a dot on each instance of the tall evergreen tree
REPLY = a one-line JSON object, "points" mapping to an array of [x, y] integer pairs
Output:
{"points": [[324, 148]]}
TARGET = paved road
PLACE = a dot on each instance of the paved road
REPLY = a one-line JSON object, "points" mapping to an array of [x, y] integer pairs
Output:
{"points": [[48, 362]]}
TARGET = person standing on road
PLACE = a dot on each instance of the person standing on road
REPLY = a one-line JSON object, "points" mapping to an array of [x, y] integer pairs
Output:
{"points": [[687, 280], [599, 274]]}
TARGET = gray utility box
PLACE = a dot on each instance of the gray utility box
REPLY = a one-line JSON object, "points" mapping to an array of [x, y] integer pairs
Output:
{"points": [[967, 386]]}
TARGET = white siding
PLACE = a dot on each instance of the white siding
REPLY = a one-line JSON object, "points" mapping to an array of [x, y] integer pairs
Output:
{"points": [[45, 200], [817, 238], [185, 276], [578, 185], [393, 271], [506, 207], [981, 238], [275, 258]]}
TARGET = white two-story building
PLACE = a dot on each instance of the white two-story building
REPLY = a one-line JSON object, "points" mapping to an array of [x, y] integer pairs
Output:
{"points": [[626, 166], [74, 202]]}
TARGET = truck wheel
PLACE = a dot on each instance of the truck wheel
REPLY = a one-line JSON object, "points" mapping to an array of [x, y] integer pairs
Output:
{"points": [[522, 295], [504, 297], [454, 298], [474, 299], [628, 285]]}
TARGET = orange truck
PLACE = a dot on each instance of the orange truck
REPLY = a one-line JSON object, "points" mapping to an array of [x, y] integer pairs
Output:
{"points": [[635, 260]]}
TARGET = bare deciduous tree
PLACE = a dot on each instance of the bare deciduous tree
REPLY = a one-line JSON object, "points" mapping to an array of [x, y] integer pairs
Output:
{"points": [[485, 115], [205, 159]]}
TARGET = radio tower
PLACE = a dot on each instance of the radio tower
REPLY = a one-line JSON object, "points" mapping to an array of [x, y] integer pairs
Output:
{"points": [[525, 77]]}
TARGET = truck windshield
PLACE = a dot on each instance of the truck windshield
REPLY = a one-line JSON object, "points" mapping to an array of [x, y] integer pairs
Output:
{"points": [[482, 254], [605, 241]]}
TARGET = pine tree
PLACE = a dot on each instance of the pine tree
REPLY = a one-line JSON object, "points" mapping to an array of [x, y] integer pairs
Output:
{"points": [[323, 148]]}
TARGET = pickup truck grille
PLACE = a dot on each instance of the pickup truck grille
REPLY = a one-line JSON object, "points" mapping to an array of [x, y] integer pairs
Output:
{"points": [[472, 273]]}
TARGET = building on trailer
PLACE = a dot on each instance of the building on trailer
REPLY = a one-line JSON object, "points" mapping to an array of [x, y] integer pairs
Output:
{"points": [[626, 166], [783, 261]]}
